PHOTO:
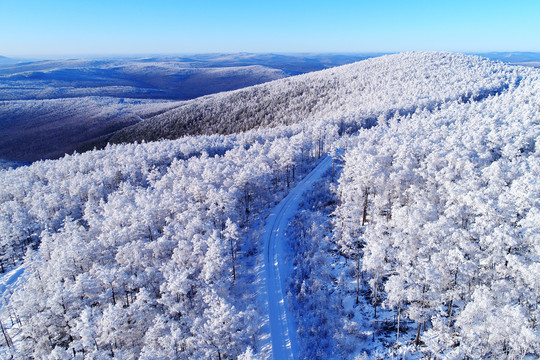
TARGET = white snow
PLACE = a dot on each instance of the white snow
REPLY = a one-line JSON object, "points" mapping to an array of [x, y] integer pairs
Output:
{"points": [[9, 281], [282, 323]]}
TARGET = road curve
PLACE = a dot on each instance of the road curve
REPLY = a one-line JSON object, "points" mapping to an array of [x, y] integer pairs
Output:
{"points": [[282, 323]]}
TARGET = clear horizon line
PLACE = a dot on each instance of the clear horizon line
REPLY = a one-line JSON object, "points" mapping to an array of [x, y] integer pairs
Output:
{"points": [[289, 53]]}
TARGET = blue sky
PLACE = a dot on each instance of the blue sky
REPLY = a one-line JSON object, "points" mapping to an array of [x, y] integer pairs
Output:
{"points": [[115, 27]]}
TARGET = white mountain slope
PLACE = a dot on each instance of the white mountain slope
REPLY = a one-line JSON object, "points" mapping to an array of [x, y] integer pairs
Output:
{"points": [[53, 127], [349, 93], [72, 101]]}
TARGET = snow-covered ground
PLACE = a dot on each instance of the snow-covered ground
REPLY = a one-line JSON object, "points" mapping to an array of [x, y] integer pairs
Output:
{"points": [[8, 282], [282, 323]]}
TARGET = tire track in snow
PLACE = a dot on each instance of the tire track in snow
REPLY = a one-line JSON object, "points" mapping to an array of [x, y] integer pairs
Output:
{"points": [[282, 322]]}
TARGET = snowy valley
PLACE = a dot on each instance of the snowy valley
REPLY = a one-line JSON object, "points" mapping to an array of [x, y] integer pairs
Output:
{"points": [[388, 208]]}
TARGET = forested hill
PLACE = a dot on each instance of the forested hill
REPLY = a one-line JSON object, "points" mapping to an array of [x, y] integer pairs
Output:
{"points": [[383, 85], [422, 241]]}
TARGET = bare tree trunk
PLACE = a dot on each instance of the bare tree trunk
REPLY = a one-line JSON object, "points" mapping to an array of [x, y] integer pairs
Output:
{"points": [[376, 295], [233, 259], [417, 340], [358, 246], [364, 213], [113, 295], [357, 272], [398, 318], [9, 342]]}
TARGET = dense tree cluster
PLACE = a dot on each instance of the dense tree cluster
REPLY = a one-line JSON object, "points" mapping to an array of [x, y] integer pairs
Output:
{"points": [[442, 208], [137, 245]]}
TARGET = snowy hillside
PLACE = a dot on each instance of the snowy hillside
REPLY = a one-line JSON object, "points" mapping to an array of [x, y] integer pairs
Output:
{"points": [[56, 107], [75, 102], [173, 79], [420, 240], [52, 128], [451, 201], [364, 90]]}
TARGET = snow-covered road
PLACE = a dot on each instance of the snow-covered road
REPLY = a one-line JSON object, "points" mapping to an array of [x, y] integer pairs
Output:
{"points": [[282, 324], [8, 282]]}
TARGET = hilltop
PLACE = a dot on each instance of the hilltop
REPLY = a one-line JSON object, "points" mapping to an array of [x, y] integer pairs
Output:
{"points": [[351, 93]]}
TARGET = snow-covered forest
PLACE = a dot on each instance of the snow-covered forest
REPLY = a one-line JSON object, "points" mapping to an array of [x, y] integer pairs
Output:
{"points": [[58, 106], [55, 107], [421, 241], [363, 90], [450, 224]]}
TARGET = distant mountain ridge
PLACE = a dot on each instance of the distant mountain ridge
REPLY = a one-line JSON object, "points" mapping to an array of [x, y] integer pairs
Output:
{"points": [[512, 57], [171, 78], [132, 79], [7, 61]]}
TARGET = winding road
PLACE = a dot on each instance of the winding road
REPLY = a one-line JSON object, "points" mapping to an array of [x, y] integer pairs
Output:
{"points": [[282, 323]]}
